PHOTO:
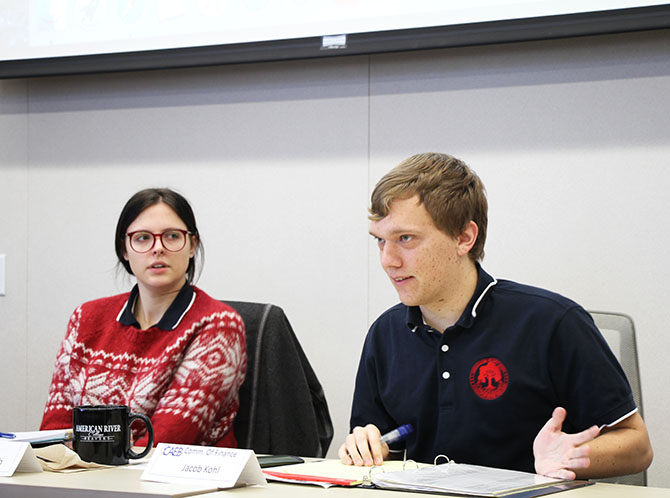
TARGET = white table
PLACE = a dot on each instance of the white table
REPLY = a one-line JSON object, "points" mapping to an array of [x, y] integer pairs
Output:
{"points": [[124, 482]]}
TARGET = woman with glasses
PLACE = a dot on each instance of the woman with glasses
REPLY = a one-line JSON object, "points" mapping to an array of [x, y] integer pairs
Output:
{"points": [[166, 348]]}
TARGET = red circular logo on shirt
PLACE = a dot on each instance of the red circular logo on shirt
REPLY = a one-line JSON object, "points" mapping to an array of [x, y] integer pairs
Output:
{"points": [[489, 378]]}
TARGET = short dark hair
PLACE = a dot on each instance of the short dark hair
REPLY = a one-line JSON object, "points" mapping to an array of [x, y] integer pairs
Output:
{"points": [[451, 192], [147, 198]]}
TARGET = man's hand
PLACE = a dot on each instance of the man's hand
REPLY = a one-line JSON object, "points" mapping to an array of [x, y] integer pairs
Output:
{"points": [[364, 446], [558, 454]]}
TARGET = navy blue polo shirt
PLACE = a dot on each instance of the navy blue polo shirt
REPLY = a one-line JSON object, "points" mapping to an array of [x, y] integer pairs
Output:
{"points": [[172, 316], [480, 392]]}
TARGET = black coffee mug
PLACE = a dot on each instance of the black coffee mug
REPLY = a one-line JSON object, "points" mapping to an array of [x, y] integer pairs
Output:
{"points": [[101, 433]]}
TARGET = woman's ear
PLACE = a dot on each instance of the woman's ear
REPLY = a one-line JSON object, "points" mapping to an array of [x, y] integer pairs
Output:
{"points": [[194, 245]]}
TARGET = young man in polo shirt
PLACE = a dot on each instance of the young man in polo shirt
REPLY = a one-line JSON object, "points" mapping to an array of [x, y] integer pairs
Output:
{"points": [[486, 371]]}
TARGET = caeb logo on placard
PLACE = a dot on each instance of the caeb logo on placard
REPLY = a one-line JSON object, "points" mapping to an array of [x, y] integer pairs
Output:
{"points": [[174, 451]]}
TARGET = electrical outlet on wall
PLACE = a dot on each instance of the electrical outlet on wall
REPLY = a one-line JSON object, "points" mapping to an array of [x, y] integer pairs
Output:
{"points": [[2, 274]]}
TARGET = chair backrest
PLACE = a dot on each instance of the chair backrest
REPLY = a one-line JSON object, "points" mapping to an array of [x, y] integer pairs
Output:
{"points": [[283, 408], [619, 332]]}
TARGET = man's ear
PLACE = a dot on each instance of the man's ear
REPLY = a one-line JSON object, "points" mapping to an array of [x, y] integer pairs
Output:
{"points": [[467, 238]]}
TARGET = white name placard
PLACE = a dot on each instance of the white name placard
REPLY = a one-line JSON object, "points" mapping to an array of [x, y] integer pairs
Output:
{"points": [[17, 457], [207, 465]]}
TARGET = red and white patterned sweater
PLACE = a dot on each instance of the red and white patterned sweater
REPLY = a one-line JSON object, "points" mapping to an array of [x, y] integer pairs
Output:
{"points": [[186, 380]]}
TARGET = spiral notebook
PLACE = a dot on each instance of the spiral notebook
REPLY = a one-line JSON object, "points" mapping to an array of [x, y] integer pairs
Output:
{"points": [[448, 478], [471, 480]]}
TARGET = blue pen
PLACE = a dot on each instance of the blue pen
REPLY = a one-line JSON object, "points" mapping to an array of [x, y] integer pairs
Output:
{"points": [[7, 435], [397, 435]]}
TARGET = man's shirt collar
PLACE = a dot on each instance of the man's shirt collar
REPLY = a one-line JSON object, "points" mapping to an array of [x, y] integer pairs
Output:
{"points": [[484, 283]]}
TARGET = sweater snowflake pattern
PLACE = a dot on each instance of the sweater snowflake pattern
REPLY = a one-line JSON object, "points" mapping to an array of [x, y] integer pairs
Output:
{"points": [[186, 380]]}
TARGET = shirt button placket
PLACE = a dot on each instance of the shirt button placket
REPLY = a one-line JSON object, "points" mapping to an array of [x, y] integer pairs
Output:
{"points": [[445, 374], [446, 387]]}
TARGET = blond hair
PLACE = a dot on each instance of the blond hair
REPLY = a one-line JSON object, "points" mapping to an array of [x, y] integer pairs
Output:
{"points": [[450, 191]]}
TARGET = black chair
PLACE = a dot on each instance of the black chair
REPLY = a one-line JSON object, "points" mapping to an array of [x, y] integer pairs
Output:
{"points": [[283, 408]]}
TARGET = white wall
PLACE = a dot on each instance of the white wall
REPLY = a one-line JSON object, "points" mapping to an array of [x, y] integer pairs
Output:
{"points": [[13, 243], [570, 137]]}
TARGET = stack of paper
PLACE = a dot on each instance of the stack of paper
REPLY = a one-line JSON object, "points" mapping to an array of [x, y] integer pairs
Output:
{"points": [[43, 437], [333, 472], [470, 480]]}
